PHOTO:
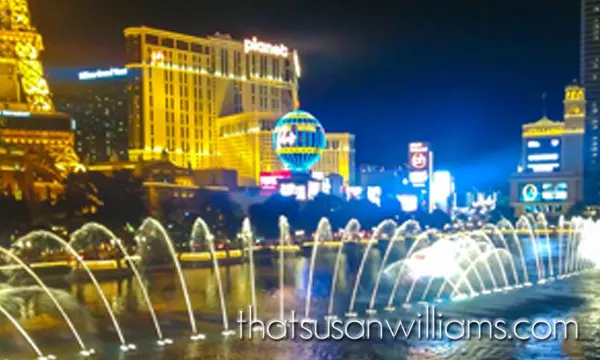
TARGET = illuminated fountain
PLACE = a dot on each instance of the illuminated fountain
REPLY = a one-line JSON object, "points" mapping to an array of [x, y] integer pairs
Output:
{"points": [[506, 226], [409, 227], [88, 230], [384, 230], [456, 259], [32, 344], [41, 235], [541, 225], [437, 266], [284, 236], [563, 226], [323, 233], [350, 232], [524, 224], [153, 229], [85, 351], [419, 240], [200, 229], [248, 241]]}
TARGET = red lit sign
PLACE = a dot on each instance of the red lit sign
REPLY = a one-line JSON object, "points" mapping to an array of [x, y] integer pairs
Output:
{"points": [[269, 180], [418, 160], [418, 155]]}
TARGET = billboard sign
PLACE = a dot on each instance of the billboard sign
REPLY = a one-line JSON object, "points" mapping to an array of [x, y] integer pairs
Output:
{"points": [[420, 165], [543, 192], [269, 180], [418, 156], [102, 74], [543, 154]]}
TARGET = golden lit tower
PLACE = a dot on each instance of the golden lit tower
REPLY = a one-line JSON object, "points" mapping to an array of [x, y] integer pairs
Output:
{"points": [[551, 176], [574, 120], [22, 82], [36, 139]]}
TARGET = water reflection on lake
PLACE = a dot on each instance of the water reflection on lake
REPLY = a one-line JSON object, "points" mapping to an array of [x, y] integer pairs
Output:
{"points": [[577, 297]]}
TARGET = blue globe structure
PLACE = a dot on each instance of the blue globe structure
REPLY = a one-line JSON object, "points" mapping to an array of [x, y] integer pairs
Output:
{"points": [[299, 140]]}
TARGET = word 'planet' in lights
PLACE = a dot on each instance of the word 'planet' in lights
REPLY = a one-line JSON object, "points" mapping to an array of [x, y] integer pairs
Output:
{"points": [[299, 140], [253, 45]]}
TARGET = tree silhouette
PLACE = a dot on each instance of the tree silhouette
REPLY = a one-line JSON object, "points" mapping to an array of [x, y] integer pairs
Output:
{"points": [[223, 215]]}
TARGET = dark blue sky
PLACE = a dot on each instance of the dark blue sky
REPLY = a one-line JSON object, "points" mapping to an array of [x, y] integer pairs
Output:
{"points": [[463, 75]]}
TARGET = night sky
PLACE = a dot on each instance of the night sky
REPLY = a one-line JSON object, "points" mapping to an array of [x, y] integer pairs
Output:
{"points": [[463, 75]]}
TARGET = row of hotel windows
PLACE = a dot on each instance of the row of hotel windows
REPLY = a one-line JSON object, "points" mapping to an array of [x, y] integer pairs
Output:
{"points": [[263, 91], [255, 64], [243, 127]]}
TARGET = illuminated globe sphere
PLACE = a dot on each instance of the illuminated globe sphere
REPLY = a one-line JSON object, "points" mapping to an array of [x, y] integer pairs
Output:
{"points": [[298, 140]]}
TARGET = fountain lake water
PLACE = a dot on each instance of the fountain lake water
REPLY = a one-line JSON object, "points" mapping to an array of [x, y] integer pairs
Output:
{"points": [[469, 263]]}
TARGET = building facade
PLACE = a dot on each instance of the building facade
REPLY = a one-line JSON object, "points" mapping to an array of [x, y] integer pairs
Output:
{"points": [[338, 157], [98, 101], [37, 138], [551, 174], [246, 144], [181, 85], [590, 79], [164, 181]]}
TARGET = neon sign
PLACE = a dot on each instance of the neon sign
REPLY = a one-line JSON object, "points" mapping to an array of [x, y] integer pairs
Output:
{"points": [[533, 144], [529, 193], [253, 45], [285, 137], [544, 192], [269, 180], [418, 160], [418, 154], [542, 157], [102, 74], [12, 113]]}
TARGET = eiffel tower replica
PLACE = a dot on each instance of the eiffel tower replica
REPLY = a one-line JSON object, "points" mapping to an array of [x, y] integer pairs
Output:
{"points": [[32, 134]]}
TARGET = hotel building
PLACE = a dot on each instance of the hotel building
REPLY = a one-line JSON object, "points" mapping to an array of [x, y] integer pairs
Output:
{"points": [[550, 178], [590, 78], [212, 102], [182, 85], [98, 102], [245, 141], [246, 144], [338, 157]]}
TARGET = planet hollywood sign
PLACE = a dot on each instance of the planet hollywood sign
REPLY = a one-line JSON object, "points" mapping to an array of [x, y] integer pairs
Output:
{"points": [[419, 161], [418, 153], [253, 45]]}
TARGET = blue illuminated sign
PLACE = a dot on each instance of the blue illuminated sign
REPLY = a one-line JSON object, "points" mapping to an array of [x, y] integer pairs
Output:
{"points": [[103, 74], [543, 155], [12, 113], [543, 192]]}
